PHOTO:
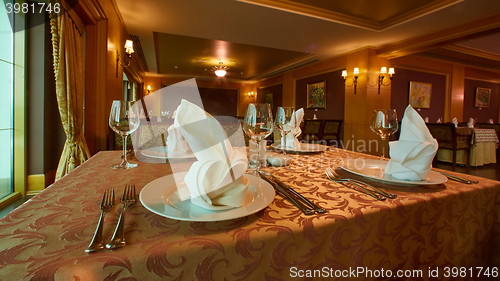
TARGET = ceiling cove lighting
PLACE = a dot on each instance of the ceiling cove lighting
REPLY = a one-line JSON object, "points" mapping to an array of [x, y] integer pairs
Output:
{"points": [[220, 70]]}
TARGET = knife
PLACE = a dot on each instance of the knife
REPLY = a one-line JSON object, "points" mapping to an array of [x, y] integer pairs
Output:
{"points": [[459, 179], [318, 209], [307, 211]]}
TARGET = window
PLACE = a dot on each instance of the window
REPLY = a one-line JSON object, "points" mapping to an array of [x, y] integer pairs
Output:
{"points": [[6, 104]]}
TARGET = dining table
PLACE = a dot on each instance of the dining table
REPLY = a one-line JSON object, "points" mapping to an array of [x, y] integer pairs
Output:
{"points": [[429, 232], [484, 143]]}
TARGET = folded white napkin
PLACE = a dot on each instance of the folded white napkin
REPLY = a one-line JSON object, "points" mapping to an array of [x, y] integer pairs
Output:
{"points": [[426, 119], [491, 121], [215, 180], [175, 140], [412, 155], [471, 123], [455, 121], [293, 128]]}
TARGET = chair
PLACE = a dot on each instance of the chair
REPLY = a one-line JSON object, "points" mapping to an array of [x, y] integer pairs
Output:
{"points": [[331, 130], [311, 130], [447, 138]]}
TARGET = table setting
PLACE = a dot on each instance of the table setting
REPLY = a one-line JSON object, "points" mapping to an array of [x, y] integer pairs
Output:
{"points": [[212, 217]]}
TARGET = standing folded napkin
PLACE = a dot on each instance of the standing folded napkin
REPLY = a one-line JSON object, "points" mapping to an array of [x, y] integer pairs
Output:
{"points": [[471, 123], [293, 128], [412, 155], [455, 121], [175, 140], [215, 180]]}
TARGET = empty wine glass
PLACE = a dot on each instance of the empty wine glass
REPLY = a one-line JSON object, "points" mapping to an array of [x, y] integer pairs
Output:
{"points": [[124, 120], [285, 122], [384, 123], [258, 125]]}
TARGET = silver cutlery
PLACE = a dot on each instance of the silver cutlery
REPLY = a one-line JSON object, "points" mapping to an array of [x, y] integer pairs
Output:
{"points": [[336, 178], [379, 191], [128, 198], [458, 179], [318, 209], [107, 202], [306, 210]]}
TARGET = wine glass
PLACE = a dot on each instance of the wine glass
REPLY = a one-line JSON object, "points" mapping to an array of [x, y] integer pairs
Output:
{"points": [[124, 120], [258, 125], [284, 122], [384, 123]]}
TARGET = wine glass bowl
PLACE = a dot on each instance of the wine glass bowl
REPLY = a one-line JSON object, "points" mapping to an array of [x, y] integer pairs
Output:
{"points": [[124, 120], [258, 124], [284, 123], [384, 123]]}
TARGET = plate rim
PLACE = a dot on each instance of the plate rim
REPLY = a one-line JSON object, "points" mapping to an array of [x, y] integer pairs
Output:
{"points": [[185, 156], [262, 186], [393, 180]]}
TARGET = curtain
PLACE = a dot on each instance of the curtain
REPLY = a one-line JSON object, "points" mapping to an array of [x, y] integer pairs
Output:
{"points": [[69, 70]]}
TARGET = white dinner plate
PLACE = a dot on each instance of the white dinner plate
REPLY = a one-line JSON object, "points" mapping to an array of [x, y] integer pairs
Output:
{"points": [[375, 169], [162, 152], [304, 147], [258, 196]]}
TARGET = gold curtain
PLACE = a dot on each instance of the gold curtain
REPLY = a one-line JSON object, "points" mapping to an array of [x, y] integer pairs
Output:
{"points": [[69, 69]]}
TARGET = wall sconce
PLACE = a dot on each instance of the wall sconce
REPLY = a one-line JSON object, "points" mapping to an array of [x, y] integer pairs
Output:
{"points": [[354, 80], [149, 89], [129, 50], [251, 95], [381, 76]]}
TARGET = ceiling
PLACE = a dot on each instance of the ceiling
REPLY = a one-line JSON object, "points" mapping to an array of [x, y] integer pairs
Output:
{"points": [[260, 38]]}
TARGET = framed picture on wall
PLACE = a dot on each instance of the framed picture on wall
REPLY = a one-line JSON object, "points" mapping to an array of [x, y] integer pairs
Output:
{"points": [[316, 95], [420, 94], [482, 97], [269, 99]]}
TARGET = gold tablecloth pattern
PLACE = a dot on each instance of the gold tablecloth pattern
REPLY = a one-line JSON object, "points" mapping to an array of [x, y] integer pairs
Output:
{"points": [[434, 226]]}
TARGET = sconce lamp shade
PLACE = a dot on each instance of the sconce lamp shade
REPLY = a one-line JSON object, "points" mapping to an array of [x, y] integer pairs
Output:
{"points": [[383, 70], [344, 73], [129, 47], [356, 71], [391, 71]]}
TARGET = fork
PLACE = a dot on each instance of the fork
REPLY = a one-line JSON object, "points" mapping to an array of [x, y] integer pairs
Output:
{"points": [[107, 202], [128, 198], [376, 190], [336, 178]]}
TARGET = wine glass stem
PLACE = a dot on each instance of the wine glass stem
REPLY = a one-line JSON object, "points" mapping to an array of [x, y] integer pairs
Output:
{"points": [[383, 149], [124, 148], [284, 143]]}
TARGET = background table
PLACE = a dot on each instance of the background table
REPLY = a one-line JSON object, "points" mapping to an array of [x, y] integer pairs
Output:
{"points": [[483, 150], [452, 224]]}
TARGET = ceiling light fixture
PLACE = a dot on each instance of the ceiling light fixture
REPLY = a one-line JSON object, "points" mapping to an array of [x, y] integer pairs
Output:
{"points": [[220, 70]]}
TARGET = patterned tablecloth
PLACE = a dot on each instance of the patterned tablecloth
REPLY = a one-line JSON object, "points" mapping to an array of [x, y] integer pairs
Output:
{"points": [[479, 135], [425, 228]]}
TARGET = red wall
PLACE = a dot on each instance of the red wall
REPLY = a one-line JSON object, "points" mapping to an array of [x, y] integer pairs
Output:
{"points": [[482, 114], [400, 89], [334, 96]]}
